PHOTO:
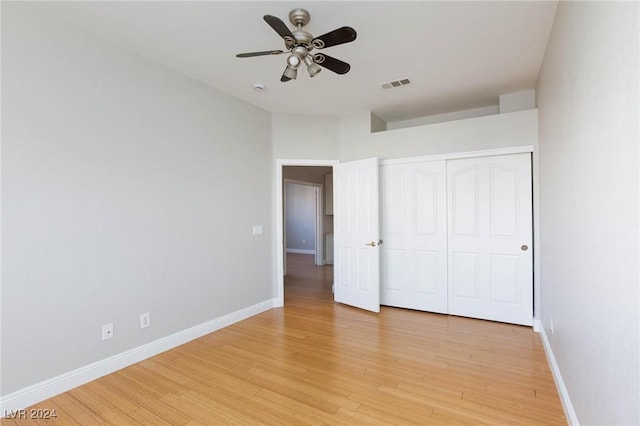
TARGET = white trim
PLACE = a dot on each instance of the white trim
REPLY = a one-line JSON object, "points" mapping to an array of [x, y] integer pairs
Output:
{"points": [[319, 218], [301, 251], [535, 181], [279, 240], [51, 387], [537, 325], [458, 155], [569, 412], [321, 163]]}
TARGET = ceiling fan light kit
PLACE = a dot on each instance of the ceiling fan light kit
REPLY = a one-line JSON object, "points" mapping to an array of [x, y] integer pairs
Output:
{"points": [[300, 43], [290, 73]]}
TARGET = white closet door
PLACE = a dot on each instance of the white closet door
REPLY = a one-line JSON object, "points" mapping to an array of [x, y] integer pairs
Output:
{"points": [[490, 238], [414, 231], [356, 234]]}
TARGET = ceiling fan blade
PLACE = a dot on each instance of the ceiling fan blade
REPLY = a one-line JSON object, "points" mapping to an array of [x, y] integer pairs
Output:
{"points": [[340, 36], [279, 26], [263, 53], [332, 64]]}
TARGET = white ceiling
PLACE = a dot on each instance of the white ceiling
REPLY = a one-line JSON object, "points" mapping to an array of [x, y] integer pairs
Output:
{"points": [[458, 55]]}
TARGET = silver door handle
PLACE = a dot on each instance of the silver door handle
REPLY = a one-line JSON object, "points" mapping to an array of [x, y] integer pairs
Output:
{"points": [[372, 244], [524, 247]]}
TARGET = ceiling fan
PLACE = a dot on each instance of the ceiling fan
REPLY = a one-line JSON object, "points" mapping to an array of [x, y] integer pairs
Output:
{"points": [[300, 43]]}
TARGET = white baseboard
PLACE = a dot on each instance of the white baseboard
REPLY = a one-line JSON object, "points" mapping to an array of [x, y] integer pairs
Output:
{"points": [[569, 412], [51, 387], [537, 325], [301, 251]]}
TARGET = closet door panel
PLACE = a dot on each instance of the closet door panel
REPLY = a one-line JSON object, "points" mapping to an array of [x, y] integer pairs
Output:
{"points": [[504, 278], [504, 201], [426, 271], [413, 212], [464, 209], [425, 199], [464, 278], [490, 235], [394, 270]]}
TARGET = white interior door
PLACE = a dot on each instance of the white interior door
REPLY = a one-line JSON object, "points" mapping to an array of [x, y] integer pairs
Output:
{"points": [[414, 231], [356, 234], [490, 238]]}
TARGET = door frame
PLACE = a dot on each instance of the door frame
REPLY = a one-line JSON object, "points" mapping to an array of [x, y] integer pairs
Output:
{"points": [[318, 226], [279, 237]]}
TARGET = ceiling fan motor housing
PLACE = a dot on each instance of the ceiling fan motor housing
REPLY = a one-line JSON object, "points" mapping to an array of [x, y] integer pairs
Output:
{"points": [[303, 37]]}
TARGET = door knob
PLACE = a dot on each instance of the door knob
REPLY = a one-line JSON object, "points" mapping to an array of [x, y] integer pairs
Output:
{"points": [[380, 242], [524, 247], [372, 244]]}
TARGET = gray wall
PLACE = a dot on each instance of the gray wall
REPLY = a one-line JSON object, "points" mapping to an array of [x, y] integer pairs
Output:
{"points": [[118, 179], [301, 216], [314, 174], [305, 137], [588, 106]]}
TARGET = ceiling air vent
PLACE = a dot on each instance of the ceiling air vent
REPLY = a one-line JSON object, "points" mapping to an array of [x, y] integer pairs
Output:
{"points": [[395, 83]]}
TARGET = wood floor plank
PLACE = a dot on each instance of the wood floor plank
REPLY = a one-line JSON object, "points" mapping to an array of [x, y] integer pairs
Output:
{"points": [[317, 362], [88, 397], [304, 412], [116, 417], [358, 418], [330, 396], [78, 413], [244, 402]]}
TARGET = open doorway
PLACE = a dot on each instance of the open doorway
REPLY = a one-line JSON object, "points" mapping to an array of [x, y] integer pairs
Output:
{"points": [[304, 222], [313, 175]]}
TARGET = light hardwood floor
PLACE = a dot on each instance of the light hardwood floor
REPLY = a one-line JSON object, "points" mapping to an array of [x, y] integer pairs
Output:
{"points": [[318, 362]]}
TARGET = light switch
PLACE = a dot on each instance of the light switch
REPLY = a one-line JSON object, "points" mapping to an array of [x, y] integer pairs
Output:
{"points": [[257, 230]]}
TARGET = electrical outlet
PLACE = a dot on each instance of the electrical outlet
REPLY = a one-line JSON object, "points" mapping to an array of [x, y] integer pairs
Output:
{"points": [[145, 320], [551, 325], [107, 331]]}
